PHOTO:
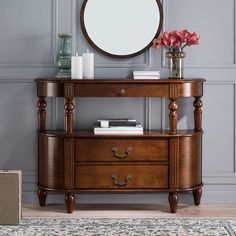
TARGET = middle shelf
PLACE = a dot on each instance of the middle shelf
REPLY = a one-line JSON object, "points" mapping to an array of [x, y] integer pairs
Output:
{"points": [[147, 134]]}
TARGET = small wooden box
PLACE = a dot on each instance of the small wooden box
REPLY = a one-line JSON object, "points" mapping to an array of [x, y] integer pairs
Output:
{"points": [[10, 197]]}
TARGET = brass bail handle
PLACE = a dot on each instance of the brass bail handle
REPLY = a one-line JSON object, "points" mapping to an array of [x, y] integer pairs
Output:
{"points": [[122, 183], [121, 156]]}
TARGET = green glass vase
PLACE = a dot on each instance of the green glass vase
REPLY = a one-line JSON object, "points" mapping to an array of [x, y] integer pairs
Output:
{"points": [[176, 63], [64, 56]]}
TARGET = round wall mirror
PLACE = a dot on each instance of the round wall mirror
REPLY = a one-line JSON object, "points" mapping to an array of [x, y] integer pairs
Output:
{"points": [[121, 28]]}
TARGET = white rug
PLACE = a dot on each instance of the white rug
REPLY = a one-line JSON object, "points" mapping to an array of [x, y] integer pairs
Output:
{"points": [[51, 226]]}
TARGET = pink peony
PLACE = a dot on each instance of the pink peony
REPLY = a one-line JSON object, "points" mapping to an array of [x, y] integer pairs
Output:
{"points": [[166, 39], [184, 34], [193, 39], [157, 43], [172, 40]]}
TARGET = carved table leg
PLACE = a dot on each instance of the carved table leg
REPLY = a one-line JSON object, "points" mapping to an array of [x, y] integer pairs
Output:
{"points": [[197, 194], [42, 104], [70, 202], [42, 194], [197, 114], [173, 116], [173, 201], [69, 107], [69, 116]]}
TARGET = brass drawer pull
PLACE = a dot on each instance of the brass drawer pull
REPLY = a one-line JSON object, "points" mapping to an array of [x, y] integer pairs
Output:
{"points": [[121, 184], [120, 156], [121, 92]]}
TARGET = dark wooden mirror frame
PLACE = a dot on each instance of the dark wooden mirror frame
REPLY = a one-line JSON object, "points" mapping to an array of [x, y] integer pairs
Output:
{"points": [[114, 55]]}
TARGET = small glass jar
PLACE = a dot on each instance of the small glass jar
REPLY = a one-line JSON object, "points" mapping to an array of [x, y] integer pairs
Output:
{"points": [[176, 63]]}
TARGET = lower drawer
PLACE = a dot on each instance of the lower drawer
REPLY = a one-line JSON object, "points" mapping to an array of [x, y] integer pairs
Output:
{"points": [[117, 149], [103, 176]]}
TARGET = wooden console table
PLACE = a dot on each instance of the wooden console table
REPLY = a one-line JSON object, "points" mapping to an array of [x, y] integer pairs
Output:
{"points": [[158, 161]]}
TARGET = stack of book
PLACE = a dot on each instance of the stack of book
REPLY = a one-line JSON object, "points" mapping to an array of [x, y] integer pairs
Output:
{"points": [[118, 126], [146, 74]]}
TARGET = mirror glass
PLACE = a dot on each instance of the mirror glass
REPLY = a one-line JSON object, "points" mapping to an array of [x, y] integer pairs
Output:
{"points": [[121, 28]]}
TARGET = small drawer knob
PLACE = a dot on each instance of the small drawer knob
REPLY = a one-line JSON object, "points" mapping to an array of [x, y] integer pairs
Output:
{"points": [[121, 92]]}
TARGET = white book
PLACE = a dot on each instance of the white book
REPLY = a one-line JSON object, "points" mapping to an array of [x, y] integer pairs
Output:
{"points": [[150, 73], [146, 77], [120, 128], [127, 130], [117, 132]]}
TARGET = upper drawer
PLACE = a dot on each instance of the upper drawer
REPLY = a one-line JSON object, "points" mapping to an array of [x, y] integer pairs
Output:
{"points": [[121, 90], [121, 150]]}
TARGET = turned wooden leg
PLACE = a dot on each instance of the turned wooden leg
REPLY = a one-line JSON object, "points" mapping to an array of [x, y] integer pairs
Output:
{"points": [[173, 116], [197, 194], [197, 114], [42, 194], [69, 116], [42, 104], [70, 202], [69, 107], [173, 201]]}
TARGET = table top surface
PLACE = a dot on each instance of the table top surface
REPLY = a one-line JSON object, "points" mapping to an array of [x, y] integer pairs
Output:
{"points": [[122, 81]]}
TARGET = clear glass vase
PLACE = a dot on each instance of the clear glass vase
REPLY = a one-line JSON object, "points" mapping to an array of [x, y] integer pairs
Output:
{"points": [[176, 63], [64, 56]]}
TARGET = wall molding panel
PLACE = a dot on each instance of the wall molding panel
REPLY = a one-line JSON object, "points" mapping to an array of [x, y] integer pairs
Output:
{"points": [[25, 81], [148, 114], [54, 23], [227, 177], [74, 21], [232, 65]]}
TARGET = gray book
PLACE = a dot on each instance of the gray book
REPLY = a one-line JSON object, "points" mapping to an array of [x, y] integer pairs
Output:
{"points": [[116, 122]]}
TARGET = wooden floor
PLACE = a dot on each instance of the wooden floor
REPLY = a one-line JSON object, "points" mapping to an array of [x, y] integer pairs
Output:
{"points": [[131, 210]]}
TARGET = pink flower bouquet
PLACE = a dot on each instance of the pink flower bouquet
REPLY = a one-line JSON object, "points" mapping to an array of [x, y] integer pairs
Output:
{"points": [[175, 40]]}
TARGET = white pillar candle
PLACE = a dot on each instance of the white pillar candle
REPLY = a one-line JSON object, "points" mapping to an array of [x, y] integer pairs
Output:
{"points": [[88, 61], [77, 67]]}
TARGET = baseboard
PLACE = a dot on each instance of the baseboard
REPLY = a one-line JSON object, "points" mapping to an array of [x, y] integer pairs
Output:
{"points": [[211, 194]]}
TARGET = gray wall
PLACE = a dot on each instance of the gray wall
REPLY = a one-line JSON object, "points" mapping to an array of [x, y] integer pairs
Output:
{"points": [[28, 44]]}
